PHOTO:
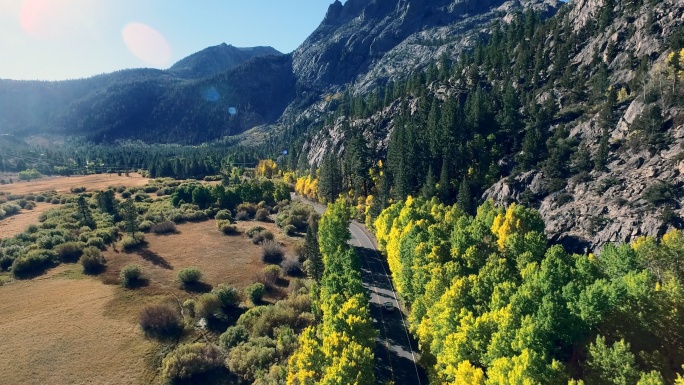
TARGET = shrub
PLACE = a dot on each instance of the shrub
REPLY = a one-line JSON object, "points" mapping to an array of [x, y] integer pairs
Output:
{"points": [[129, 242], [290, 230], [5, 262], [55, 201], [207, 305], [255, 292], [92, 260], [249, 359], [29, 206], [226, 228], [131, 276], [659, 193], [40, 198], [228, 295], [224, 215], [247, 207], [165, 227], [69, 252], [96, 242], [254, 231], [145, 226], [190, 363], [242, 216], [126, 194], [233, 336], [77, 190], [292, 267], [35, 261], [189, 276], [299, 250], [22, 203], [261, 215], [270, 275], [160, 321], [30, 198], [32, 228], [190, 305], [271, 252]]}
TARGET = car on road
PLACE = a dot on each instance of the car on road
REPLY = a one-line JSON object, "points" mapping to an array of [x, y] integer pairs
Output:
{"points": [[388, 306]]}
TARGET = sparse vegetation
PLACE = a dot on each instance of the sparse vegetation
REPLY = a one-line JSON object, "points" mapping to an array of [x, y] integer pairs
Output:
{"points": [[271, 252], [255, 292], [165, 227], [160, 321], [92, 260], [131, 276], [191, 363], [189, 276]]}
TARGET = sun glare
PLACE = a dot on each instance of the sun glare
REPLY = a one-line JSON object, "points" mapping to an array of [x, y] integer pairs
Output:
{"points": [[147, 44], [54, 19]]}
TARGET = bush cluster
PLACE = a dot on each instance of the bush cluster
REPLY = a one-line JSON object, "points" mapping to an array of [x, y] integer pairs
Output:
{"points": [[190, 363], [131, 276], [189, 276], [160, 321], [255, 292], [165, 227], [271, 252], [92, 260]]}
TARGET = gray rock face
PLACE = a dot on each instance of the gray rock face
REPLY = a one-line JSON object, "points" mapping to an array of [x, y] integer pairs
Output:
{"points": [[366, 42], [611, 206]]}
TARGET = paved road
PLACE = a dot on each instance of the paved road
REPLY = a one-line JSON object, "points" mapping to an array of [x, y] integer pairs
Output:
{"points": [[395, 352]]}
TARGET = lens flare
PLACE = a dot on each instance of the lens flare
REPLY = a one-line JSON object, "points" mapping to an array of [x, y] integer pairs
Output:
{"points": [[211, 94], [53, 19], [147, 44]]}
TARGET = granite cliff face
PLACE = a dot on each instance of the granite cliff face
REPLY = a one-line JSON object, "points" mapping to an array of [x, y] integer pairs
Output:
{"points": [[616, 205], [640, 191], [364, 43]]}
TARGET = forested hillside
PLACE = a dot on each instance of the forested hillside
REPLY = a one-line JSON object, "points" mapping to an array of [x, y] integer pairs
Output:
{"points": [[491, 303], [578, 115]]}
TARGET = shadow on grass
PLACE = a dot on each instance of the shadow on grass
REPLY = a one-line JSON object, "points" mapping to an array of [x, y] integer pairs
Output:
{"points": [[154, 258], [138, 283], [197, 287]]}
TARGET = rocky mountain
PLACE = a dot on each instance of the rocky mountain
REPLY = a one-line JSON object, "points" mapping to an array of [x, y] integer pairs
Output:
{"points": [[598, 170], [639, 192], [364, 43], [214, 60]]}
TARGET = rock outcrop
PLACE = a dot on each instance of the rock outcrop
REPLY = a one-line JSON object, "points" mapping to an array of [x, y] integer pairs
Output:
{"points": [[368, 42]]}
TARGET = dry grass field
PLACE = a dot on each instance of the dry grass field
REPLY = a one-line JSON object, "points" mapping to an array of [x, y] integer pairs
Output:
{"points": [[16, 224], [63, 184], [67, 328]]}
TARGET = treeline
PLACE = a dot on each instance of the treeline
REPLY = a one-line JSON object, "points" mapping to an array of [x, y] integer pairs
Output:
{"points": [[491, 303], [339, 350], [82, 157], [505, 108]]}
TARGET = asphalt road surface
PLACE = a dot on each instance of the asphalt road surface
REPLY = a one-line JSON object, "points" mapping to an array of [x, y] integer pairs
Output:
{"points": [[395, 351]]}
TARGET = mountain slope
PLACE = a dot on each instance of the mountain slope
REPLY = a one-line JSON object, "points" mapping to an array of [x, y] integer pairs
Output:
{"points": [[579, 116], [155, 105], [372, 41], [214, 60]]}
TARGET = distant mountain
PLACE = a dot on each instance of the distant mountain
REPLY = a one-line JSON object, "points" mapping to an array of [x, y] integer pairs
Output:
{"points": [[214, 60], [188, 103]]}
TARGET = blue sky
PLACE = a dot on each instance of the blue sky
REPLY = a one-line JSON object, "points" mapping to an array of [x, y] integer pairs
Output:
{"points": [[66, 39]]}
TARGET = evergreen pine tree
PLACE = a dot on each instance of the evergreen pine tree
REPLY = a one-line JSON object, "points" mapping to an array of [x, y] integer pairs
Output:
{"points": [[84, 211], [130, 216], [314, 261]]}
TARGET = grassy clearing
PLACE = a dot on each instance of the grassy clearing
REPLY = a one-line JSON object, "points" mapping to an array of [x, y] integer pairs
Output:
{"points": [[63, 185], [66, 327]]}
